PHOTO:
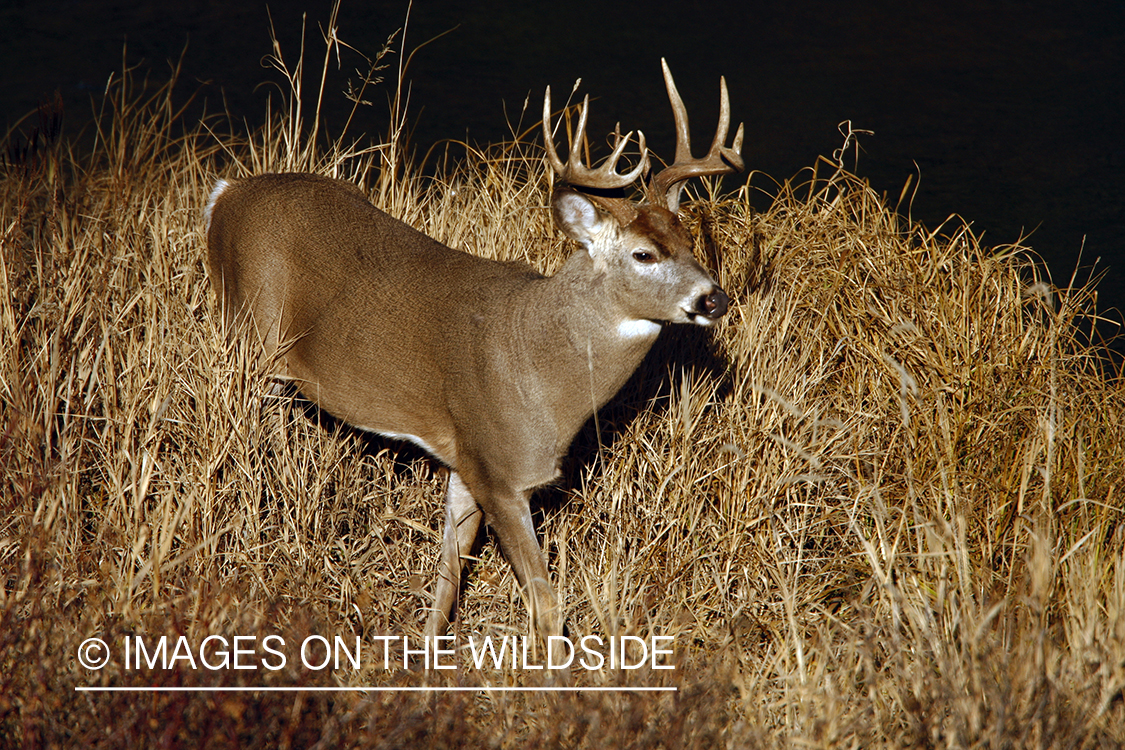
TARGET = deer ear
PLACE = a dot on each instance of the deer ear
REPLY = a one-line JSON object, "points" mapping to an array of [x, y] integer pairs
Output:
{"points": [[578, 216]]}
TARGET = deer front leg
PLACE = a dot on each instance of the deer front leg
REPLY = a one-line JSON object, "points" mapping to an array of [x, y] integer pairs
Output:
{"points": [[511, 519], [462, 521]]}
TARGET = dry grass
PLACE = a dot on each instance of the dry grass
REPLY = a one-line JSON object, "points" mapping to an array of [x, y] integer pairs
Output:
{"points": [[880, 507]]}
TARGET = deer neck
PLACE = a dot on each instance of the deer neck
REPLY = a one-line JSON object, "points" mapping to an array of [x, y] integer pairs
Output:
{"points": [[580, 342], [583, 296]]}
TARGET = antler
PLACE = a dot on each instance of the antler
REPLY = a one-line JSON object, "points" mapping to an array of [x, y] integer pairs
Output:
{"points": [[574, 172], [719, 160]]}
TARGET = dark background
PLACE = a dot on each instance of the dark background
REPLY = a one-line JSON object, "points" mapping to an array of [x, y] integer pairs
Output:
{"points": [[1011, 113]]}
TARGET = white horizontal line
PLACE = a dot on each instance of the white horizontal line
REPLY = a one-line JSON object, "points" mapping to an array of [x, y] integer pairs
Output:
{"points": [[283, 689]]}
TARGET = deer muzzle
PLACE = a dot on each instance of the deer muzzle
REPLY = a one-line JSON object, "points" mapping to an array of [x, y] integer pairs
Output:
{"points": [[712, 305]]}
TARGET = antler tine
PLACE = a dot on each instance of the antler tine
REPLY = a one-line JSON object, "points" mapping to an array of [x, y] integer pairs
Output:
{"points": [[548, 136], [679, 112], [574, 172], [575, 157], [719, 160], [733, 155]]}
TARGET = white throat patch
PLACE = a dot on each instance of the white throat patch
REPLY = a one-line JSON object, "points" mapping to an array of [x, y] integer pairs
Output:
{"points": [[635, 329]]}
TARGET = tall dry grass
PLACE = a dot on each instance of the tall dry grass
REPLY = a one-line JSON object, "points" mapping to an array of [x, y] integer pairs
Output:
{"points": [[881, 506]]}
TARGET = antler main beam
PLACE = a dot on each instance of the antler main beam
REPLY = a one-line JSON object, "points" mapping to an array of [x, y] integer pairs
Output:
{"points": [[575, 172]]}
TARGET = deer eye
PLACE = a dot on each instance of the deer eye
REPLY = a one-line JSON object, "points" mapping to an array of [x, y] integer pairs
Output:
{"points": [[643, 256]]}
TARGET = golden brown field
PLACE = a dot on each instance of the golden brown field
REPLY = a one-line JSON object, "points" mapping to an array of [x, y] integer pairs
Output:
{"points": [[880, 505]]}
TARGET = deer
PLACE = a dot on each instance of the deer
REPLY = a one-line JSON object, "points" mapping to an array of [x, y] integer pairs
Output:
{"points": [[492, 368]]}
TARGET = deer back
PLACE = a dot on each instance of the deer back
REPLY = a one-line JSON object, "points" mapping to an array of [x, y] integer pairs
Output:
{"points": [[367, 315]]}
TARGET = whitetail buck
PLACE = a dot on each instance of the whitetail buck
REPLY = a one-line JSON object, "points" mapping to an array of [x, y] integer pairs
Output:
{"points": [[490, 367]]}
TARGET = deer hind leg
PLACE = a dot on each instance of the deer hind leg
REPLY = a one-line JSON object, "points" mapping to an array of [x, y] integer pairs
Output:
{"points": [[462, 521]]}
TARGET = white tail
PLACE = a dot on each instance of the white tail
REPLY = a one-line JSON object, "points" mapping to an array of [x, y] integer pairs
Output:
{"points": [[489, 367]]}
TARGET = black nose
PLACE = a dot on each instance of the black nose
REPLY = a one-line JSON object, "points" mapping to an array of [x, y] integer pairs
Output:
{"points": [[714, 305]]}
